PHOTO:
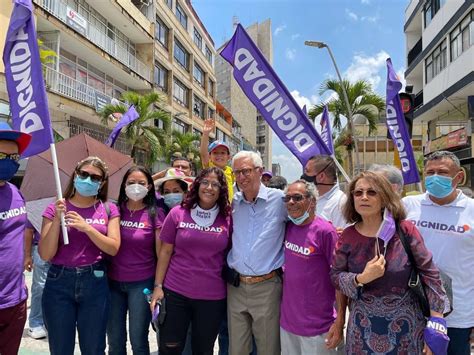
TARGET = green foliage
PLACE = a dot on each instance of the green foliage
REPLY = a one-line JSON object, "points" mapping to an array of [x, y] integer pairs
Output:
{"points": [[183, 145]]}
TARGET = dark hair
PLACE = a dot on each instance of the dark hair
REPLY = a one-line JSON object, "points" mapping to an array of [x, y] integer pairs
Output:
{"points": [[149, 200], [173, 159], [96, 162], [181, 183], [278, 182], [389, 198], [192, 197], [325, 163]]}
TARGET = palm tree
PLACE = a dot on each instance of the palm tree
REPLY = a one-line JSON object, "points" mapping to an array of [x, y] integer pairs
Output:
{"points": [[142, 134], [363, 102], [182, 144]]}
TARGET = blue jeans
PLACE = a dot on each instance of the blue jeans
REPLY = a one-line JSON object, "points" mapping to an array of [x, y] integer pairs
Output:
{"points": [[128, 296], [40, 271], [76, 296], [459, 341]]}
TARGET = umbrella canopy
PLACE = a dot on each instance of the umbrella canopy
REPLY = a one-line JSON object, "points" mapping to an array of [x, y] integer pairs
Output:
{"points": [[38, 185]]}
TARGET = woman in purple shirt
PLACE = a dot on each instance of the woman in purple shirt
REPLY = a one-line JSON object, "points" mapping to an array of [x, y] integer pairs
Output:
{"points": [[133, 268], [195, 241], [76, 292]]}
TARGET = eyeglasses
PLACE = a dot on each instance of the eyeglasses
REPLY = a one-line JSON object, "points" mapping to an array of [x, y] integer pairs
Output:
{"points": [[14, 156], [244, 172], [368, 192], [295, 198], [84, 175], [214, 185]]}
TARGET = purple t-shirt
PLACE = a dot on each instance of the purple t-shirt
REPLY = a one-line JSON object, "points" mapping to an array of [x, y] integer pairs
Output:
{"points": [[199, 254], [307, 306], [12, 231], [81, 251], [36, 235], [136, 258]]}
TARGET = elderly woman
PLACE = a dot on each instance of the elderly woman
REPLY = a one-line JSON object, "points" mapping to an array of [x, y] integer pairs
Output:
{"points": [[195, 241], [372, 268]]}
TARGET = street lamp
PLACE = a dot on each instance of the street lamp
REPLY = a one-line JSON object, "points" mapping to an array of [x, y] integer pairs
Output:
{"points": [[344, 92]]}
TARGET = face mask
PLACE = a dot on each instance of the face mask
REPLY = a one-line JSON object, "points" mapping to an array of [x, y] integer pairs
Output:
{"points": [[439, 186], [310, 179], [8, 168], [86, 187], [173, 199], [299, 220], [136, 192], [387, 228]]}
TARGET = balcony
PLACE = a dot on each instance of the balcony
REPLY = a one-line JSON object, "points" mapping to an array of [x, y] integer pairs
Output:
{"points": [[100, 38], [224, 123], [65, 85], [418, 100], [415, 51]]}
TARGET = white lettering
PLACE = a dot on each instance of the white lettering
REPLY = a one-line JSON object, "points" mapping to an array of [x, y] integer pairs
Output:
{"points": [[302, 142], [267, 87], [393, 127], [239, 62], [252, 72], [14, 212], [198, 227], [100, 221]]}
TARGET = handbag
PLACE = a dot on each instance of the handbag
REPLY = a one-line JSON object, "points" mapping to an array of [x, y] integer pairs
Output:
{"points": [[415, 284]]}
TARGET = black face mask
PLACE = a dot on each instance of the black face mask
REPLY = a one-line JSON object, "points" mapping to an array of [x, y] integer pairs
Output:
{"points": [[312, 178]]}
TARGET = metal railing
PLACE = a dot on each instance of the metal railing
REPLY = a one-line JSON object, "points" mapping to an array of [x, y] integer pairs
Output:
{"points": [[100, 38], [415, 51]]}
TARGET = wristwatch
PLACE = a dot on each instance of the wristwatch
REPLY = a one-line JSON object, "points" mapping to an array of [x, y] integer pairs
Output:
{"points": [[358, 283], [158, 286]]}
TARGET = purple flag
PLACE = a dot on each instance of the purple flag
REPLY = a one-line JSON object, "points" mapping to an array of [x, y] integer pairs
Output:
{"points": [[127, 118], [25, 83], [271, 98], [326, 133], [398, 129], [305, 111]]}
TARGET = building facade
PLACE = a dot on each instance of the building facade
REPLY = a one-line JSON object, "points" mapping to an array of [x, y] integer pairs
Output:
{"points": [[439, 37], [253, 127]]}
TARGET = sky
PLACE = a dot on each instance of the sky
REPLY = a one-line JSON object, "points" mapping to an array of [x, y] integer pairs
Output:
{"points": [[362, 34]]}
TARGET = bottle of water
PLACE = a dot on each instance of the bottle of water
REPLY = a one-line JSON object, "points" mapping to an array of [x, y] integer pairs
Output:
{"points": [[148, 294]]}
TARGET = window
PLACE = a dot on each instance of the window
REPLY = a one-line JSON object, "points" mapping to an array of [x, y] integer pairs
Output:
{"points": [[462, 37], [197, 132], [178, 125], [436, 61], [161, 33], [209, 55], [180, 93], [181, 15], [159, 123], [161, 77], [261, 140], [181, 55], [430, 9], [210, 113], [198, 74], [220, 135], [210, 88], [198, 107], [197, 38], [169, 3]]}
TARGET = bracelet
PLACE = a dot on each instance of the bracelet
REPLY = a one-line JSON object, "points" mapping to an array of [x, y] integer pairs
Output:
{"points": [[158, 285], [358, 283]]}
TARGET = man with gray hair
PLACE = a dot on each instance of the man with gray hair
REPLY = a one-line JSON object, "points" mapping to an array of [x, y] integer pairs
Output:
{"points": [[392, 173], [445, 219], [255, 260], [308, 322]]}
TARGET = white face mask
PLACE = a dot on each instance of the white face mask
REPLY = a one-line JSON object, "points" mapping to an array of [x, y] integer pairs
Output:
{"points": [[136, 192]]}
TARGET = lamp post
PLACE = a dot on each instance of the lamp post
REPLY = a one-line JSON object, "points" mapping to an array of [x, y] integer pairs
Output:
{"points": [[346, 98]]}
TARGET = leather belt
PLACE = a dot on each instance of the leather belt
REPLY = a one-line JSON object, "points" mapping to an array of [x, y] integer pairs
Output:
{"points": [[256, 279]]}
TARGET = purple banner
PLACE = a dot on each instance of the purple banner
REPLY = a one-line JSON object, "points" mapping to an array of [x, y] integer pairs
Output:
{"points": [[398, 129], [326, 133], [24, 77], [271, 98], [305, 111], [127, 118]]}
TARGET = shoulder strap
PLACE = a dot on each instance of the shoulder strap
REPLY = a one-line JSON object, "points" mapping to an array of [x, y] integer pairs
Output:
{"points": [[405, 244], [107, 208]]}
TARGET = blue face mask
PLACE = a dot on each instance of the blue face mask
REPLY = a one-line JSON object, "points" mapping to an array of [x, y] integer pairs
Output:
{"points": [[173, 199], [439, 186], [8, 168], [86, 187], [299, 220]]}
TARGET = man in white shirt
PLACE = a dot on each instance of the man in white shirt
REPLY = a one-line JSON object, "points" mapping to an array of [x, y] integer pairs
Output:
{"points": [[445, 218], [322, 171]]}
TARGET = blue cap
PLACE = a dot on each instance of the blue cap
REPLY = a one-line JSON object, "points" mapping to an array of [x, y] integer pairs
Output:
{"points": [[217, 144], [8, 134]]}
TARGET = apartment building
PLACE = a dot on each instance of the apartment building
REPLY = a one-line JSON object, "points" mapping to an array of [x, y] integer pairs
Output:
{"points": [[439, 37], [107, 47], [231, 96]]}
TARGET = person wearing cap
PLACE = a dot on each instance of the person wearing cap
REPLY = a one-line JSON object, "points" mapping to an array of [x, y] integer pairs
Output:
{"points": [[13, 292], [173, 186], [266, 177], [216, 154]]}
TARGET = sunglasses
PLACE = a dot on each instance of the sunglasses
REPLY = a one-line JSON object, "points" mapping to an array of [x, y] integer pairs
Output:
{"points": [[13, 156], [368, 192], [295, 198], [84, 175]]}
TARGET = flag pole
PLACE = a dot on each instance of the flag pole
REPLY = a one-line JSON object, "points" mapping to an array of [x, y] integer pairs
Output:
{"points": [[341, 169], [59, 192]]}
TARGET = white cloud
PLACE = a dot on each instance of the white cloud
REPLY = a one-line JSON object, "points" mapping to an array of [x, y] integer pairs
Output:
{"points": [[291, 168], [279, 29], [367, 68], [351, 15], [290, 53], [401, 77], [365, 2], [303, 100], [371, 19], [295, 36]]}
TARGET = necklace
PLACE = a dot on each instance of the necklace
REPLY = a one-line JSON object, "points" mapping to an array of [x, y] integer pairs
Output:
{"points": [[132, 211]]}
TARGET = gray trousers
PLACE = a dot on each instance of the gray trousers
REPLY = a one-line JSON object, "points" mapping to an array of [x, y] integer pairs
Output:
{"points": [[292, 344], [254, 309]]}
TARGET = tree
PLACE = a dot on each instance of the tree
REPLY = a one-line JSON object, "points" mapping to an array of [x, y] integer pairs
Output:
{"points": [[142, 133], [363, 102], [183, 145]]}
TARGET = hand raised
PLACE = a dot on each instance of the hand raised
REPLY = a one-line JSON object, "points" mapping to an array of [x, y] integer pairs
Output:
{"points": [[209, 125]]}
